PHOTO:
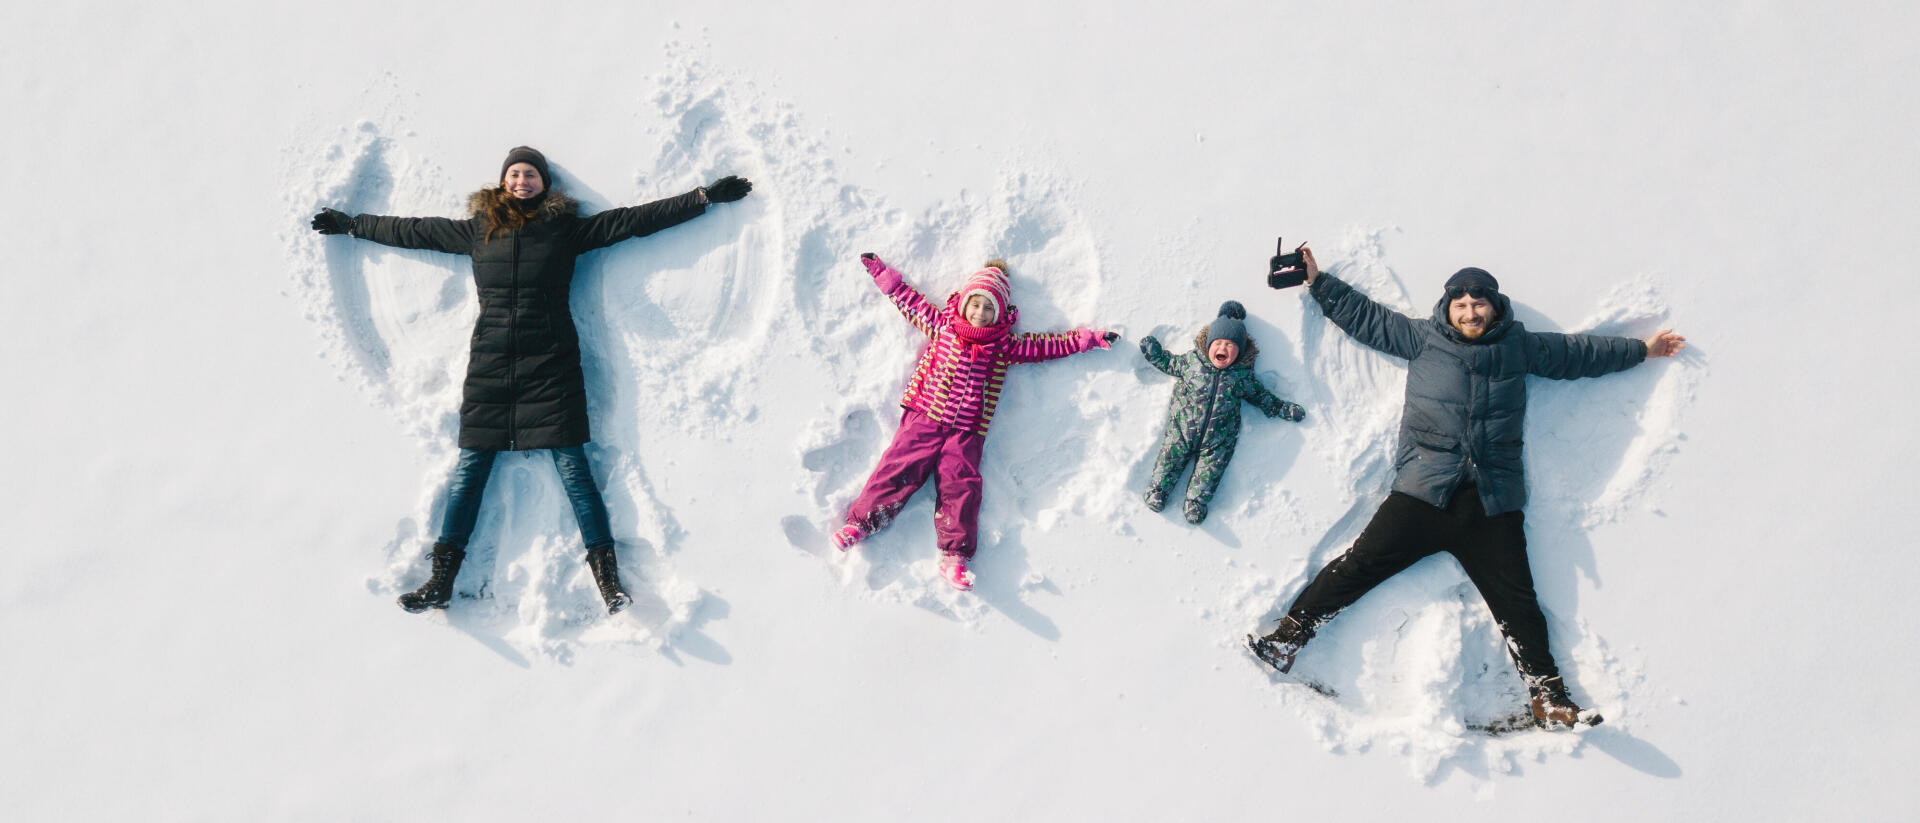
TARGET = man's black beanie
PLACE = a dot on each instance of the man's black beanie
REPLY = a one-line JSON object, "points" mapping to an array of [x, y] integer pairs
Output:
{"points": [[1471, 277], [532, 157]]}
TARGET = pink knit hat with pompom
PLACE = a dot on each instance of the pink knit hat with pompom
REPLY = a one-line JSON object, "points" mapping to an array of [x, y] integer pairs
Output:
{"points": [[991, 282]]}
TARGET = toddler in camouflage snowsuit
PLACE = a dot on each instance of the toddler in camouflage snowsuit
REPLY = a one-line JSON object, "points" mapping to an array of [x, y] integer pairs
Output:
{"points": [[1203, 421]]}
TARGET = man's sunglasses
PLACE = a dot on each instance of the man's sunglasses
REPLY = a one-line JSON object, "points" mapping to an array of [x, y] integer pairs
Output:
{"points": [[1477, 292]]}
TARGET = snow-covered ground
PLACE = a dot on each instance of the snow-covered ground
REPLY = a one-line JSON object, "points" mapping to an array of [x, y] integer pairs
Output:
{"points": [[231, 434]]}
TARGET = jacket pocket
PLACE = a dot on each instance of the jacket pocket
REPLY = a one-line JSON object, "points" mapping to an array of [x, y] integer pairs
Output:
{"points": [[1416, 444], [1433, 441], [1503, 456], [546, 313]]}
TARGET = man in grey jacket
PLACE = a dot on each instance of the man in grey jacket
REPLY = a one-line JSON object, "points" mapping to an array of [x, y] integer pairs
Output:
{"points": [[1458, 482]]}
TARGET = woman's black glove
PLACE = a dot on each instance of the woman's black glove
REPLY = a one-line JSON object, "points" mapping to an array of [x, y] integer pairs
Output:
{"points": [[728, 189], [332, 221]]}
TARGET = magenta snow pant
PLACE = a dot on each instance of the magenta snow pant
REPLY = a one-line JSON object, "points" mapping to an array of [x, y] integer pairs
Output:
{"points": [[919, 449]]}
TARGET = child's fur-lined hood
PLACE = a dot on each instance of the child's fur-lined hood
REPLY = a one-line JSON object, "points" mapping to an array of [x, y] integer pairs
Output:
{"points": [[1247, 352]]}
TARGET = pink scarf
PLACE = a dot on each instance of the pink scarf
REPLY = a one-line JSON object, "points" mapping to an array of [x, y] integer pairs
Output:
{"points": [[975, 336]]}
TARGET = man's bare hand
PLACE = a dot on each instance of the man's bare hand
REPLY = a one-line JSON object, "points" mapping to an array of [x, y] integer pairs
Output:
{"points": [[1306, 257], [1663, 343]]}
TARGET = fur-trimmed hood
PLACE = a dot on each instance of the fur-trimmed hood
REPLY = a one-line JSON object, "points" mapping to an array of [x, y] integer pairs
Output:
{"points": [[553, 203], [1247, 352]]}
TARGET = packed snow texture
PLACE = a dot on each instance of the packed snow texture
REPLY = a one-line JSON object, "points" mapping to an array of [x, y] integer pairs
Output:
{"points": [[744, 376]]}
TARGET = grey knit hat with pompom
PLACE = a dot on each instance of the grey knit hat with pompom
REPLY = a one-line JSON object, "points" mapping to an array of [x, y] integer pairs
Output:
{"points": [[1229, 326]]}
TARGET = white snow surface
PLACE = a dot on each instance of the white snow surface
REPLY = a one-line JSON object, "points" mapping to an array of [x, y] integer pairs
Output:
{"points": [[235, 433]]}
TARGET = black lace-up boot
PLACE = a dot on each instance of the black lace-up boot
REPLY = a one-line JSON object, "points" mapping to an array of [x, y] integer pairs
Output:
{"points": [[438, 590], [606, 574]]}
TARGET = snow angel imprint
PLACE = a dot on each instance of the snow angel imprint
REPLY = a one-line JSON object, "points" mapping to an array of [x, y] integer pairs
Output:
{"points": [[524, 388], [948, 403]]}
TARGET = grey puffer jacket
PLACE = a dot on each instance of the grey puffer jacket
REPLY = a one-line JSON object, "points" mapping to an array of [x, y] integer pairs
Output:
{"points": [[1466, 402]]}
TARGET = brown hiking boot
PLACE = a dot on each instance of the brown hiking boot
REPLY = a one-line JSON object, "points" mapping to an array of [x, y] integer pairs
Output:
{"points": [[1553, 709], [1278, 648]]}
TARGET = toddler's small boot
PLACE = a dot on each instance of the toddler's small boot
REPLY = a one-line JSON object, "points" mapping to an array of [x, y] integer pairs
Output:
{"points": [[1156, 499], [847, 536], [1196, 512], [438, 590], [953, 569], [606, 575]]}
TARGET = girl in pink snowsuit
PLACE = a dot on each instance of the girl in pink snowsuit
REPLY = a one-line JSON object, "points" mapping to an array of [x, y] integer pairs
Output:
{"points": [[948, 404]]}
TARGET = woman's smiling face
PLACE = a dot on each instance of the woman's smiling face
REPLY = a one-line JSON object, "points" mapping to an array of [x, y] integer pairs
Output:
{"points": [[523, 181]]}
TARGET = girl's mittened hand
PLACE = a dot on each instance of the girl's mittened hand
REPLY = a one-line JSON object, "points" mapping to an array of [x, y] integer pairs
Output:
{"points": [[1088, 339], [873, 263], [1109, 337]]}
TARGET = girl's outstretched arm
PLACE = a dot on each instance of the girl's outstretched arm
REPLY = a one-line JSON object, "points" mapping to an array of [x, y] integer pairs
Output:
{"points": [[1033, 348], [911, 304]]}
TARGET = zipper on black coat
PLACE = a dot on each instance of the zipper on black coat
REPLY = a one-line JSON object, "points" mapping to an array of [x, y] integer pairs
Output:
{"points": [[513, 344]]}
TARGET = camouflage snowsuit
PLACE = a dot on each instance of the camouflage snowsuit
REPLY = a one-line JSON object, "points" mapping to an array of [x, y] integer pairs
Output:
{"points": [[1203, 419]]}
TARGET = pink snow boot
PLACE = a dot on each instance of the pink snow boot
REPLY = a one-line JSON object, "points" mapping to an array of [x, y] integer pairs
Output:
{"points": [[847, 536], [953, 569]]}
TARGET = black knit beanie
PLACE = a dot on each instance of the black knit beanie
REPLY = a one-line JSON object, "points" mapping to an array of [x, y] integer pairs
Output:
{"points": [[1470, 278], [1228, 325], [531, 157]]}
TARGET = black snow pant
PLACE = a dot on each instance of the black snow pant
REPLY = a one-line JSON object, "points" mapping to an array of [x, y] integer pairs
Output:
{"points": [[1492, 551]]}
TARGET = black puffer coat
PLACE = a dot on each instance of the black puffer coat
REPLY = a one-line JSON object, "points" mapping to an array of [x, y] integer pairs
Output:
{"points": [[1466, 404], [524, 388]]}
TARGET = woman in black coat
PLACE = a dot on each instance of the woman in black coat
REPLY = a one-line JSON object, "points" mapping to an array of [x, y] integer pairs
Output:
{"points": [[524, 387]]}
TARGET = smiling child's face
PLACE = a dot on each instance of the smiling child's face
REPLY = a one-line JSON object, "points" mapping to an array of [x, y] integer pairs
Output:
{"points": [[979, 311], [1222, 352]]}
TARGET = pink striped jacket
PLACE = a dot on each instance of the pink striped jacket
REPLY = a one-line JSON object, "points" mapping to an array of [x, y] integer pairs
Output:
{"points": [[957, 383]]}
